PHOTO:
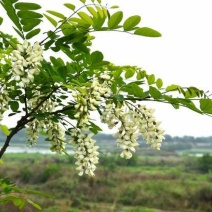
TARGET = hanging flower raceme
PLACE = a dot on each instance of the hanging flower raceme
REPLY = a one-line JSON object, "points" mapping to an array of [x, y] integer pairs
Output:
{"points": [[45, 124], [32, 132], [56, 135], [149, 127], [132, 123], [47, 106], [91, 98], [4, 100], [25, 62], [86, 152]]}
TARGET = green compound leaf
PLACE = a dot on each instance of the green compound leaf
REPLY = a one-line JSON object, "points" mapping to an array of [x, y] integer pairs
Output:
{"points": [[172, 87], [100, 11], [35, 205], [94, 128], [80, 46], [131, 22], [9, 8], [134, 89], [206, 105], [99, 21], [141, 75], [1, 20], [92, 11], [14, 106], [96, 57], [5, 130], [159, 83], [151, 79], [119, 97], [129, 73], [31, 24], [154, 92], [28, 14], [148, 32], [114, 7], [115, 19], [85, 17], [70, 6], [32, 33], [18, 32], [51, 20], [57, 14], [27, 6]]}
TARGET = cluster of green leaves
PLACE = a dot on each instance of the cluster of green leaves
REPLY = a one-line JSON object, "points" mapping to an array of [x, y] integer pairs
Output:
{"points": [[11, 193], [24, 17], [149, 88], [59, 77], [90, 18], [72, 37]]}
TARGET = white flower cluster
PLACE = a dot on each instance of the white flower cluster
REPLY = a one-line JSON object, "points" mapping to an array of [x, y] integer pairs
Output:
{"points": [[4, 99], [55, 131], [47, 106], [32, 132], [25, 62], [127, 133], [86, 152], [56, 135], [149, 127], [132, 124], [109, 115], [91, 98]]}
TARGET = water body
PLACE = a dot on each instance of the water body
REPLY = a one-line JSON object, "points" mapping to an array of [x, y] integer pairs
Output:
{"points": [[25, 149]]}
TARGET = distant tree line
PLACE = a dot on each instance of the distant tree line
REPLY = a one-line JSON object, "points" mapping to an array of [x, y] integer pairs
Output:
{"points": [[21, 137]]}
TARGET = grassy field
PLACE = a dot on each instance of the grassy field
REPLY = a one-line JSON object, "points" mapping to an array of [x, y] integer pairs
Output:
{"points": [[143, 184]]}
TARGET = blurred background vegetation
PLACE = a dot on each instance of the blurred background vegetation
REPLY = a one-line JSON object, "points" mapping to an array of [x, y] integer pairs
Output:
{"points": [[177, 178]]}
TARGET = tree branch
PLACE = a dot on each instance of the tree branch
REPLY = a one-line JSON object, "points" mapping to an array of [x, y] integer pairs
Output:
{"points": [[22, 122], [40, 103], [25, 102]]}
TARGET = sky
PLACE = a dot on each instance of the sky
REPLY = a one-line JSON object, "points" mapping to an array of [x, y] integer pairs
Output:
{"points": [[181, 56]]}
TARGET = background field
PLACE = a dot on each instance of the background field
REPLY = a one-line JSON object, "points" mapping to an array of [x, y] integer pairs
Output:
{"points": [[177, 178]]}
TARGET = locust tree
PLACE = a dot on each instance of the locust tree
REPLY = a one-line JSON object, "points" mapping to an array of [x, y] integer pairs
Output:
{"points": [[57, 84]]}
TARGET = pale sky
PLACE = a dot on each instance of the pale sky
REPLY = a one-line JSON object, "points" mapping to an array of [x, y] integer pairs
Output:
{"points": [[181, 56]]}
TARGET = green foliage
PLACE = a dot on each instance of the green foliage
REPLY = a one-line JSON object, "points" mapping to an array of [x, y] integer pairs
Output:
{"points": [[115, 19], [27, 6], [1, 20], [5, 129], [10, 193], [146, 31], [152, 182], [205, 163], [56, 95], [23, 16], [70, 6], [131, 22]]}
